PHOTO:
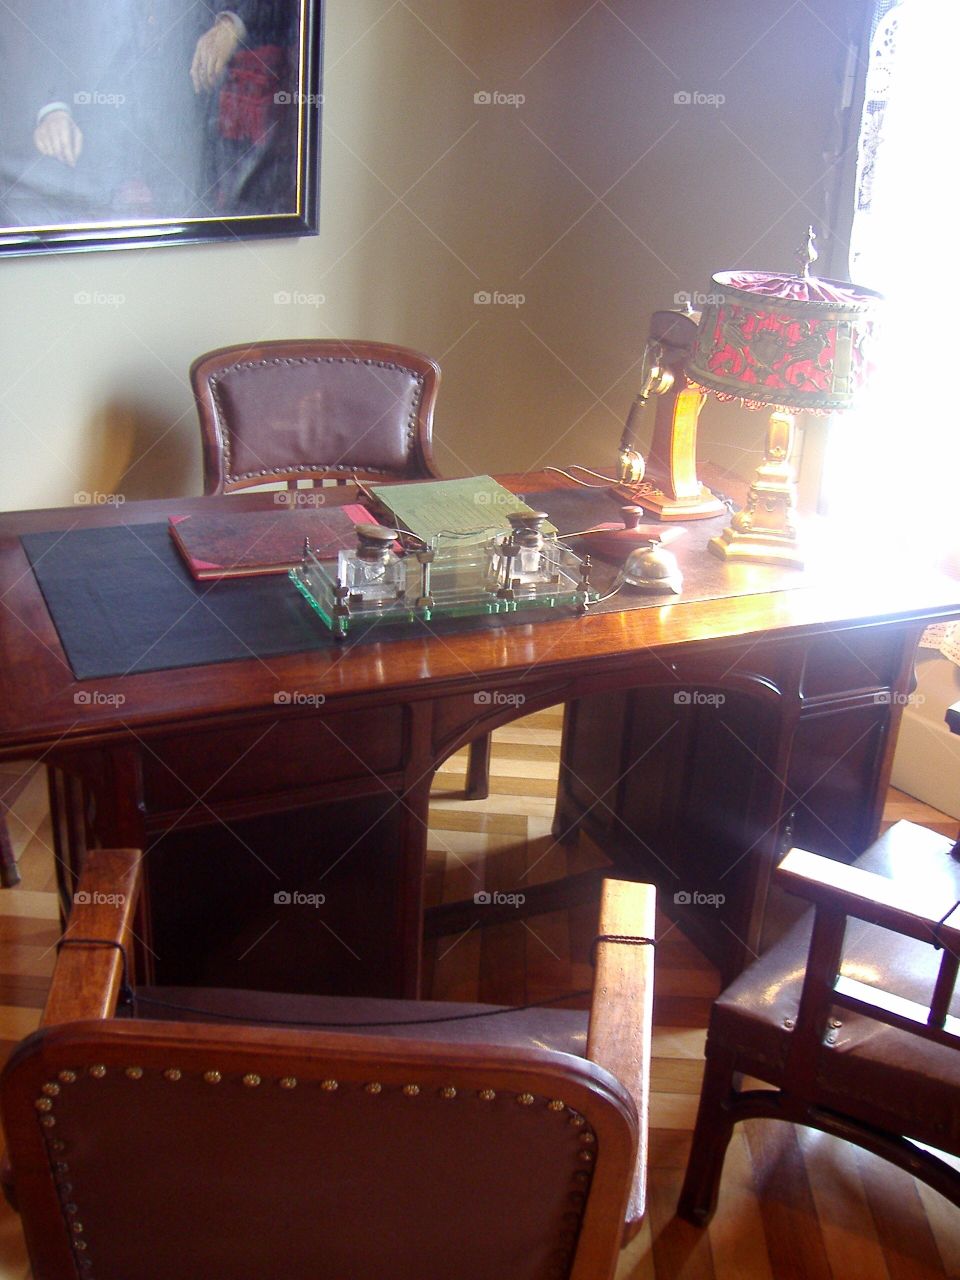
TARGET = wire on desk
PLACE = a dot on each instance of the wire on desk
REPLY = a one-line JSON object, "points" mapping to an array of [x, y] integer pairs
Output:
{"points": [[607, 482]]}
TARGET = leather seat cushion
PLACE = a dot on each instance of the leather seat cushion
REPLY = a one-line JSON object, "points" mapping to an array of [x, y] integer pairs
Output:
{"points": [[880, 1074], [563, 1030]]}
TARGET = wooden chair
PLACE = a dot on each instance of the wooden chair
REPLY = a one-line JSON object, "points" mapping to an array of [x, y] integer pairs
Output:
{"points": [[312, 410], [305, 409], [198, 1133], [12, 780], [852, 1016]]}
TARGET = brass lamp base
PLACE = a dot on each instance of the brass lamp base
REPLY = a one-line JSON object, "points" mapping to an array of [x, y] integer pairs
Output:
{"points": [[765, 530], [760, 548]]}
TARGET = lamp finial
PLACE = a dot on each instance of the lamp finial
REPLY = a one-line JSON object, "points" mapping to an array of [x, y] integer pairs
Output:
{"points": [[807, 254]]}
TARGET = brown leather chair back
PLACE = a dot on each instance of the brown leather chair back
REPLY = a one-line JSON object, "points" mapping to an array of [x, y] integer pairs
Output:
{"points": [[148, 1140], [147, 1150], [312, 409]]}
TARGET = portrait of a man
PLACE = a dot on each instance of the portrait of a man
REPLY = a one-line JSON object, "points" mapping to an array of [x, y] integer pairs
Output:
{"points": [[137, 111]]}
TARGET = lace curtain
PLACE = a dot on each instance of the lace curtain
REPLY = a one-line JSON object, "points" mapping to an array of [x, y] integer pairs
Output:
{"points": [[894, 465]]}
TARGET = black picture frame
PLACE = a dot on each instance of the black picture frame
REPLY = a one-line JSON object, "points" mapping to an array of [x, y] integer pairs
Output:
{"points": [[179, 161]]}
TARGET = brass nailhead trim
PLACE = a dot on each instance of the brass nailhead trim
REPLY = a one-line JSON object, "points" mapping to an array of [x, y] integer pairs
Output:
{"points": [[329, 1086], [80, 1244], [43, 1104], [373, 1088], [586, 1156], [47, 1121], [411, 1090], [212, 1077], [99, 1071], [576, 1121], [487, 1095], [587, 1138], [50, 1089], [526, 1099], [290, 1082], [556, 1104], [251, 1080], [133, 1073], [172, 1073], [448, 1091], [77, 1227], [67, 1077]]}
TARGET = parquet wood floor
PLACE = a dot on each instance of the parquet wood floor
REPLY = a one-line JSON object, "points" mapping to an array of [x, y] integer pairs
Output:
{"points": [[795, 1204]]}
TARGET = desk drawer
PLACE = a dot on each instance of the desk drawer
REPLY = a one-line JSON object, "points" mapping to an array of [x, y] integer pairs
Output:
{"points": [[274, 755], [853, 660]]}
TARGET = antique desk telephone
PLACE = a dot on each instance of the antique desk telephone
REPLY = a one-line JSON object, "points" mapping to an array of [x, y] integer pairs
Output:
{"points": [[667, 485]]}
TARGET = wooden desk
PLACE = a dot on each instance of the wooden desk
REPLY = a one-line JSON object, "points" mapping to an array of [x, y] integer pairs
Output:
{"points": [[236, 798]]}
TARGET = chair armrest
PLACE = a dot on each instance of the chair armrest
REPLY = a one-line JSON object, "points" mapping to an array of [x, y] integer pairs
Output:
{"points": [[907, 909], [87, 979], [621, 1011]]}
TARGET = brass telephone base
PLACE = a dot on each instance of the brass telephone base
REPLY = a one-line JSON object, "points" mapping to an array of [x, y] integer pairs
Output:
{"points": [[702, 507], [761, 548]]}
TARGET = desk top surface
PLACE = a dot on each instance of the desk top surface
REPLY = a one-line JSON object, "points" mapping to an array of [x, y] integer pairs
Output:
{"points": [[38, 707]]}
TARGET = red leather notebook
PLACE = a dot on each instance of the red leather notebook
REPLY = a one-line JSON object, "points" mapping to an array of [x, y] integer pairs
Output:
{"points": [[227, 545]]}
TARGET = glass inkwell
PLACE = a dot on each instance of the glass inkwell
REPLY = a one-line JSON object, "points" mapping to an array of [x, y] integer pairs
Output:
{"points": [[525, 559], [372, 572]]}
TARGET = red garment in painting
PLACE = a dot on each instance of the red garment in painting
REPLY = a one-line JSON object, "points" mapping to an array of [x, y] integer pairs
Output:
{"points": [[252, 93]]}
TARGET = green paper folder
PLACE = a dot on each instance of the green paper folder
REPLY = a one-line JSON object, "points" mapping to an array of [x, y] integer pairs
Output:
{"points": [[471, 510]]}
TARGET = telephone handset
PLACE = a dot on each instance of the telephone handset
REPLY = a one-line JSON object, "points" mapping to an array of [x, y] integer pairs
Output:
{"points": [[667, 483]]}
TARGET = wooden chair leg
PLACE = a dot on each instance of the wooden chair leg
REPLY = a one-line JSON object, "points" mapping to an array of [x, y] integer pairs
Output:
{"points": [[9, 871], [478, 769], [711, 1137]]}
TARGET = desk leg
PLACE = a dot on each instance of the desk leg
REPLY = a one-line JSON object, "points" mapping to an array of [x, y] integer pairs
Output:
{"points": [[418, 779]]}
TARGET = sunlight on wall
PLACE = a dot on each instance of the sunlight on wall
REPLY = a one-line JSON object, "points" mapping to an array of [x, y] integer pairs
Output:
{"points": [[899, 454]]}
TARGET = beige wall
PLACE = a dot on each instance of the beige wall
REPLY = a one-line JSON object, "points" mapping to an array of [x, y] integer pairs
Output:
{"points": [[597, 199]]}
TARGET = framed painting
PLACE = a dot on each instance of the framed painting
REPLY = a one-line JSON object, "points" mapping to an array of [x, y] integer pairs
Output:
{"points": [[143, 122]]}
